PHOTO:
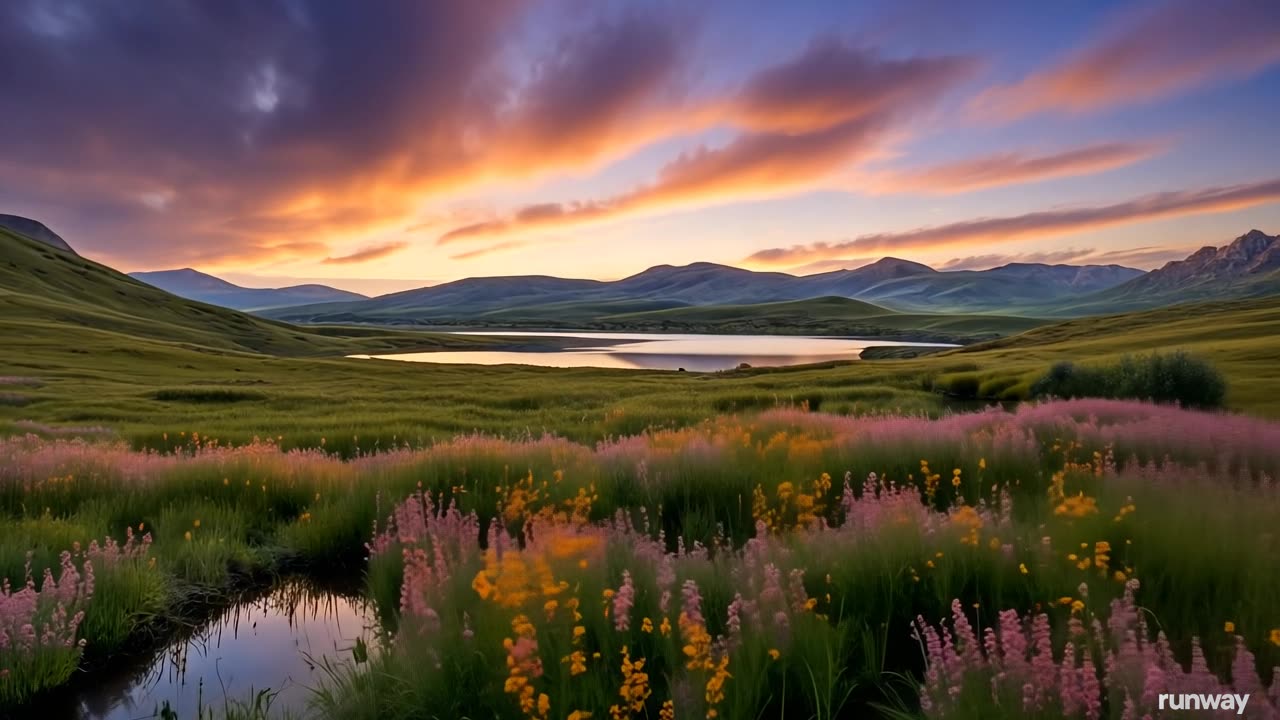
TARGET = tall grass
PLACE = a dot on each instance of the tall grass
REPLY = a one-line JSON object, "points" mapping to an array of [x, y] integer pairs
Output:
{"points": [[760, 566]]}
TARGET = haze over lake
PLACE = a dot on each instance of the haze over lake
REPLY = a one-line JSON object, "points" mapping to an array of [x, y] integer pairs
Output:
{"points": [[658, 351]]}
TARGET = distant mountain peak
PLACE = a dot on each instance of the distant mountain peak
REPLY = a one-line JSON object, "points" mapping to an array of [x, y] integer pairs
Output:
{"points": [[1252, 255], [195, 285], [35, 230], [892, 267]]}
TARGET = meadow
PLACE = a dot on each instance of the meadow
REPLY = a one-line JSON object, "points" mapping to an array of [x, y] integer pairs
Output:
{"points": [[783, 563]]}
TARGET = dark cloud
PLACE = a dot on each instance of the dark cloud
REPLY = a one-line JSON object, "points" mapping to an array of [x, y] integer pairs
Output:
{"points": [[832, 83], [189, 130], [601, 90], [794, 135], [1034, 225]]}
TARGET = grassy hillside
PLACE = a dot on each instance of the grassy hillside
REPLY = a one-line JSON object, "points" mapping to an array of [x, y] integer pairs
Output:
{"points": [[44, 292], [1242, 337], [816, 316], [823, 316], [144, 389]]}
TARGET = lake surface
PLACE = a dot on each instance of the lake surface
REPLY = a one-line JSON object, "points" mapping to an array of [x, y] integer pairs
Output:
{"points": [[273, 641], [659, 351]]}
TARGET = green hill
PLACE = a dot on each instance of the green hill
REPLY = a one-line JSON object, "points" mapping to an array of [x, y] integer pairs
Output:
{"points": [[1239, 336], [821, 316], [45, 290]]}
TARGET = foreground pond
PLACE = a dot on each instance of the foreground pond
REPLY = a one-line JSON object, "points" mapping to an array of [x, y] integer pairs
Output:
{"points": [[657, 351], [276, 641]]}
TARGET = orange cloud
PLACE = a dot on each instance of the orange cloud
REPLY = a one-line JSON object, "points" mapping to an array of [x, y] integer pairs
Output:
{"points": [[366, 254], [489, 250], [1017, 167], [1158, 51], [1034, 225], [797, 135]]}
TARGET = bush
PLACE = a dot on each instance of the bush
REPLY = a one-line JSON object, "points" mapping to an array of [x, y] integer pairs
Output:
{"points": [[1174, 378], [961, 385]]}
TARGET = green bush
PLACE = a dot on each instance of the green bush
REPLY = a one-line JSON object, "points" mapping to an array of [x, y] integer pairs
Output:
{"points": [[207, 395], [1173, 378], [961, 385]]}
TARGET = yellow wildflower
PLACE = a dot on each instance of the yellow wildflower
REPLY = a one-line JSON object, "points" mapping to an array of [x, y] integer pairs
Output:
{"points": [[1229, 626], [774, 654], [577, 662]]}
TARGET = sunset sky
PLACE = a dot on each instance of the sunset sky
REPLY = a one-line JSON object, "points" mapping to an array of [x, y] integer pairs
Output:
{"points": [[384, 145]]}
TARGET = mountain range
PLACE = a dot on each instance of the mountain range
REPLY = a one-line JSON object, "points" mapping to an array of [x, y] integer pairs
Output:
{"points": [[47, 292], [893, 283], [195, 285], [1247, 267]]}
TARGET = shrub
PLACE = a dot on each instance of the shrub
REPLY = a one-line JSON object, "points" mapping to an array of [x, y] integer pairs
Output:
{"points": [[207, 395], [1173, 378], [962, 385]]}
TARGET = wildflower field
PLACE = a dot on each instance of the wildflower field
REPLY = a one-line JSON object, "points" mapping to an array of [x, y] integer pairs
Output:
{"points": [[1066, 559]]}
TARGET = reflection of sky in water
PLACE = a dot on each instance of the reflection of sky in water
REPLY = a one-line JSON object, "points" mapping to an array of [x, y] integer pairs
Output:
{"points": [[661, 351], [271, 642]]}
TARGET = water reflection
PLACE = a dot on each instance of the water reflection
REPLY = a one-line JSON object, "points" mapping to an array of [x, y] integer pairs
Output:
{"points": [[657, 351], [277, 641]]}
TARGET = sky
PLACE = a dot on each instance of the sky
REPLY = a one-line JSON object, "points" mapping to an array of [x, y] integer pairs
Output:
{"points": [[379, 146]]}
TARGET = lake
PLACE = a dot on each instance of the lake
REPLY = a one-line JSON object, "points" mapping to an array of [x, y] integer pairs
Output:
{"points": [[658, 351], [277, 641]]}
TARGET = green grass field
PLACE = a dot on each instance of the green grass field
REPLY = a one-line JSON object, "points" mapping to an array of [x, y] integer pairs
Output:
{"points": [[823, 316], [100, 349], [143, 389]]}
